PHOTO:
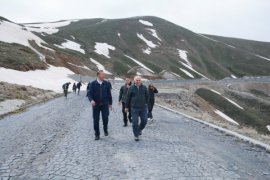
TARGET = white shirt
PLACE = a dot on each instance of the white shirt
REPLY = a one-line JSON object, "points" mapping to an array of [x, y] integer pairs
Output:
{"points": [[99, 81]]}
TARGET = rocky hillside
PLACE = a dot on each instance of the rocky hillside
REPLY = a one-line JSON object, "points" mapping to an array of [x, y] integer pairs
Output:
{"points": [[148, 46]]}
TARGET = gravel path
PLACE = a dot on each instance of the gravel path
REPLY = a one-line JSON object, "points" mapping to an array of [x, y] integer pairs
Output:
{"points": [[55, 140]]}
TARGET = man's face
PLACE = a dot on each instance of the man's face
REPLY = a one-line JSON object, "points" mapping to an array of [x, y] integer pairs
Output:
{"points": [[101, 76], [127, 81], [138, 81]]}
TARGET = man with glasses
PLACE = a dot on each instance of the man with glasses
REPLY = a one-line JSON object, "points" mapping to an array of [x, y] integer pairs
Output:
{"points": [[137, 100]]}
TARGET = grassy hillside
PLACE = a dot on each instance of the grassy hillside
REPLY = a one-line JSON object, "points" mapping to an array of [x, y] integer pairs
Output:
{"points": [[249, 116]]}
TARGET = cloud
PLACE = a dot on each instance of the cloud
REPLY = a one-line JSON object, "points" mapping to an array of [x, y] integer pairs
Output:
{"points": [[236, 18]]}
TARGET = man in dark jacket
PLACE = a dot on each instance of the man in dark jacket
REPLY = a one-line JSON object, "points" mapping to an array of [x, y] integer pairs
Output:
{"points": [[152, 91], [79, 84], [100, 97], [137, 99], [122, 99], [74, 88], [65, 88]]}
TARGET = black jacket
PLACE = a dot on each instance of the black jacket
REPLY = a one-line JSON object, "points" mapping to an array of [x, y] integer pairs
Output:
{"points": [[65, 86], [123, 93], [137, 97], [152, 93], [101, 94], [79, 84]]}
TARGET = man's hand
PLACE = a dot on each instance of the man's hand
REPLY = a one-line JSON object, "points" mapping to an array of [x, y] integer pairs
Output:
{"points": [[126, 109], [110, 107], [93, 103]]}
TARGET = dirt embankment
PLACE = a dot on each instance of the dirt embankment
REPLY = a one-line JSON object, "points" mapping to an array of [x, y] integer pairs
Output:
{"points": [[14, 98]]}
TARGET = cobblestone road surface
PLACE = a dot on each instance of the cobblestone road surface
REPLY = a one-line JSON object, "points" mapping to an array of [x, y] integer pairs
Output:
{"points": [[55, 140]]}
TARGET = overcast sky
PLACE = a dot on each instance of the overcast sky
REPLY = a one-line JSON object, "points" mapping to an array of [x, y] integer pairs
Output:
{"points": [[249, 19]]}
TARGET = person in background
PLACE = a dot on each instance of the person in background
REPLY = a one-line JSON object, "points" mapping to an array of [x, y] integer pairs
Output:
{"points": [[152, 91], [74, 88], [137, 101], [100, 98], [79, 84], [122, 100], [65, 88]]}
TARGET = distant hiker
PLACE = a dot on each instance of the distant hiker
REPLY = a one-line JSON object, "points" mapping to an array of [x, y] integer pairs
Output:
{"points": [[152, 91], [74, 88], [65, 88], [100, 97], [122, 100], [79, 84], [137, 100]]}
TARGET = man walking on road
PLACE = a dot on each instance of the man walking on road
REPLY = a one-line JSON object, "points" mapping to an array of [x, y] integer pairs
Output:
{"points": [[122, 99], [65, 88], [100, 97], [137, 100], [79, 84]]}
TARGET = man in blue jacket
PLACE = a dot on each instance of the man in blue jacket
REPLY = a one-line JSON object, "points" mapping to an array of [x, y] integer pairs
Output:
{"points": [[137, 99], [100, 97]]}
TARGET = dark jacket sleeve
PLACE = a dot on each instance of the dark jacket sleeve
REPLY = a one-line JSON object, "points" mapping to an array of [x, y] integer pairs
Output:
{"points": [[146, 95], [120, 94], [128, 98], [155, 90], [90, 91], [109, 94]]}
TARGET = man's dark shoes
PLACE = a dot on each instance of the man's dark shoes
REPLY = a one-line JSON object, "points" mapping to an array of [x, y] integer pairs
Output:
{"points": [[125, 125], [106, 133], [97, 138], [140, 133], [136, 138]]}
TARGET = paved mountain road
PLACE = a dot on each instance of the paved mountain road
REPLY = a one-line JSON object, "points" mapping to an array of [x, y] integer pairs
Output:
{"points": [[55, 140]]}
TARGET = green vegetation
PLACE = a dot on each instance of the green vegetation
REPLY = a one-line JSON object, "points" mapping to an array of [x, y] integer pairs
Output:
{"points": [[248, 117], [259, 93]]}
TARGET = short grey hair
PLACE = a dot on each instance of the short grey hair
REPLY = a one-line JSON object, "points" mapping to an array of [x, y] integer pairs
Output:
{"points": [[137, 77]]}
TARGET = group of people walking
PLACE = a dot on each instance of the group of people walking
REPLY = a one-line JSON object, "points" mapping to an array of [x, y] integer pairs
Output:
{"points": [[76, 88], [136, 99]]}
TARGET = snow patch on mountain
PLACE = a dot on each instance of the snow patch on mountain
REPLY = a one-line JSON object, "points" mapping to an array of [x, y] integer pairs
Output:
{"points": [[192, 69], [49, 28], [13, 33], [149, 43], [49, 79], [103, 49], [147, 51], [183, 55], [99, 66], [187, 73], [231, 101], [262, 57], [71, 45], [147, 23], [227, 118], [140, 64], [208, 38], [176, 74], [154, 33], [233, 76], [83, 67], [119, 34], [72, 37], [268, 127]]}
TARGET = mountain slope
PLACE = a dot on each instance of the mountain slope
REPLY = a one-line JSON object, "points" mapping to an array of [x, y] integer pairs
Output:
{"points": [[146, 45]]}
